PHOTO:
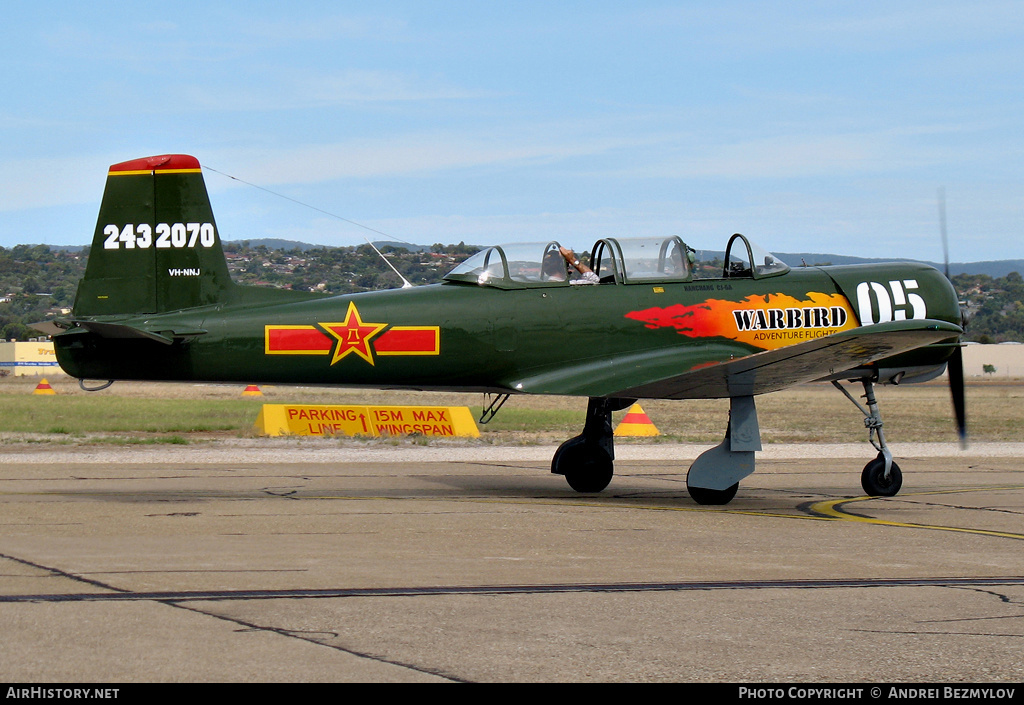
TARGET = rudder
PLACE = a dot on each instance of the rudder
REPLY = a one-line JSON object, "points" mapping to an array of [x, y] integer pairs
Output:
{"points": [[156, 247]]}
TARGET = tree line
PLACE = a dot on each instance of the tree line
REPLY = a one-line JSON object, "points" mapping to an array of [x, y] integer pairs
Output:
{"points": [[994, 307]]}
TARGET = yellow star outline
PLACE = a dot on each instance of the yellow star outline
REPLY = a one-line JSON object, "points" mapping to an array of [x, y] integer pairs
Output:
{"points": [[353, 335]]}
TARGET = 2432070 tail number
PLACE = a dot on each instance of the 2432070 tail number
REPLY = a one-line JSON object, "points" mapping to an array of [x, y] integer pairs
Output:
{"points": [[168, 236]]}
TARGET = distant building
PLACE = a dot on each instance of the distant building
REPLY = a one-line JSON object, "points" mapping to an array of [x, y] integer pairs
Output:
{"points": [[34, 357], [1006, 358]]}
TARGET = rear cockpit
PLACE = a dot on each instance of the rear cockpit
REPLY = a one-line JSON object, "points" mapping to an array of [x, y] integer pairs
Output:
{"points": [[616, 261]]}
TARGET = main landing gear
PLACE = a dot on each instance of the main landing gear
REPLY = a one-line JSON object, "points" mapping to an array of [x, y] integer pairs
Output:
{"points": [[587, 460], [715, 475], [882, 476]]}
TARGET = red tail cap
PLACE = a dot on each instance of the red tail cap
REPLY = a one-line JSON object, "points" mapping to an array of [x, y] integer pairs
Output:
{"points": [[165, 161]]}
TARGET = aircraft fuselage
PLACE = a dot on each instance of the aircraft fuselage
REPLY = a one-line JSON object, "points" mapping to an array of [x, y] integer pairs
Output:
{"points": [[459, 336]]}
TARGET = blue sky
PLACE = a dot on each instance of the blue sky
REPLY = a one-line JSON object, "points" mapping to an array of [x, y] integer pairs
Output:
{"points": [[821, 127]]}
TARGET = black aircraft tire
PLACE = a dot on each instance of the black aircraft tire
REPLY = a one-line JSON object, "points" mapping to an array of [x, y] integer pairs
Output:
{"points": [[873, 479], [703, 495], [586, 468]]}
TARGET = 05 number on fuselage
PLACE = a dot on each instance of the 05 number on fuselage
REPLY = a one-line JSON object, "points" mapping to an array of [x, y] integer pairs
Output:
{"points": [[891, 302], [167, 236]]}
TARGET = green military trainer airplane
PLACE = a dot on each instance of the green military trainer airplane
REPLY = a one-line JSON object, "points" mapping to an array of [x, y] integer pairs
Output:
{"points": [[648, 319]]}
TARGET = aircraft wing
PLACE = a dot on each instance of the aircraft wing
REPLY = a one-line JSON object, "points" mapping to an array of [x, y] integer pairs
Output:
{"points": [[723, 371]]}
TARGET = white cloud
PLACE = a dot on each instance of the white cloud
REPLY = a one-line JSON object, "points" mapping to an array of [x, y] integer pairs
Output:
{"points": [[578, 229], [305, 90], [401, 155], [55, 181], [294, 28], [788, 155], [746, 27]]}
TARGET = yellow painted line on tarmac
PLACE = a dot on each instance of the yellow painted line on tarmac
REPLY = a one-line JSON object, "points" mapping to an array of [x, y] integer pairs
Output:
{"points": [[579, 503], [832, 509], [718, 509]]}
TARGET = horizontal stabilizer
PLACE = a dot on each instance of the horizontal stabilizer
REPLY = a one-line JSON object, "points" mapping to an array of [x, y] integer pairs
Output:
{"points": [[121, 331], [48, 327]]}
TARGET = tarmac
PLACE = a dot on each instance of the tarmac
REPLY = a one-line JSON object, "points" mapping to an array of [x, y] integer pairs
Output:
{"points": [[287, 561]]}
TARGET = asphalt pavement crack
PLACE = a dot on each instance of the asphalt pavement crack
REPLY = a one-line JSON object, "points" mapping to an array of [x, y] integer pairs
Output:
{"points": [[64, 574], [308, 638]]}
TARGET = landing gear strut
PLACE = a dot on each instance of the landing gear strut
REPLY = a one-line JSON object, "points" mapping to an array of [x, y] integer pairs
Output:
{"points": [[882, 476], [587, 460], [715, 475]]}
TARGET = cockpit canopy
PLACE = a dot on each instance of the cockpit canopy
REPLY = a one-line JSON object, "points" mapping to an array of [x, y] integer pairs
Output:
{"points": [[616, 261]]}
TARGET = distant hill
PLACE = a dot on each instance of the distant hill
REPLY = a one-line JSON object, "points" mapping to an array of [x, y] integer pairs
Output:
{"points": [[993, 268], [412, 248], [277, 244], [274, 244]]}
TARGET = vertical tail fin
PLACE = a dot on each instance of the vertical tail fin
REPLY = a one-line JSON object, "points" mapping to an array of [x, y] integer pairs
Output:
{"points": [[156, 246]]}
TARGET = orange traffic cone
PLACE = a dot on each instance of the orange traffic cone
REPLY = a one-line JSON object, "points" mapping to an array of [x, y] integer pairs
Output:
{"points": [[636, 423], [44, 388], [252, 391]]}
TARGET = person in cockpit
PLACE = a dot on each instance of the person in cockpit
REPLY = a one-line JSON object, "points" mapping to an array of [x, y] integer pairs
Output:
{"points": [[587, 275], [553, 268]]}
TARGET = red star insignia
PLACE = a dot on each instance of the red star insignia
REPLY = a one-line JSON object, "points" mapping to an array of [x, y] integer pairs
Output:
{"points": [[353, 335]]}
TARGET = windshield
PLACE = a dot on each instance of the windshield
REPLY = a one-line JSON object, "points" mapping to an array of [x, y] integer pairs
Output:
{"points": [[485, 265], [523, 263], [741, 258]]}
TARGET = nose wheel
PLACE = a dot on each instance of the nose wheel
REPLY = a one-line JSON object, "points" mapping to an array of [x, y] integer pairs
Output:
{"points": [[877, 483], [882, 476]]}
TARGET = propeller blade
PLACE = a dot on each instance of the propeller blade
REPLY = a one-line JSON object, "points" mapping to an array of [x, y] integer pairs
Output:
{"points": [[942, 228], [955, 370], [955, 366]]}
